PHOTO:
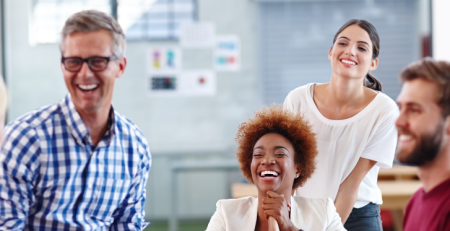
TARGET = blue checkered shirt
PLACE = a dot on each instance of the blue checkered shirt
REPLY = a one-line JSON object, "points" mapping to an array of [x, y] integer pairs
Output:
{"points": [[53, 178]]}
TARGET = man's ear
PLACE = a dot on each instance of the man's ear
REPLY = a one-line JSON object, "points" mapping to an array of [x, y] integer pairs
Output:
{"points": [[122, 66], [447, 125], [373, 65]]}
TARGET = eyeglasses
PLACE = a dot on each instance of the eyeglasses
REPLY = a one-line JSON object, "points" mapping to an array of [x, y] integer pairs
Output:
{"points": [[95, 63]]}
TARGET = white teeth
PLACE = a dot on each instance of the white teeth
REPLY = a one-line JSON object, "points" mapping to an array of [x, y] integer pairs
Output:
{"points": [[88, 87], [273, 173], [348, 62], [404, 137]]}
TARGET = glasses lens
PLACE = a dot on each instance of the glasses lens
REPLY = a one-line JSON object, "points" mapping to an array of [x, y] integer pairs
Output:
{"points": [[98, 63], [72, 64]]}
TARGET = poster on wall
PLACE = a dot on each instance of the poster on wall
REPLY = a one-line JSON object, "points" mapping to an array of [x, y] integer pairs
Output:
{"points": [[163, 68], [164, 59], [197, 35], [227, 53], [187, 83], [198, 83], [163, 84]]}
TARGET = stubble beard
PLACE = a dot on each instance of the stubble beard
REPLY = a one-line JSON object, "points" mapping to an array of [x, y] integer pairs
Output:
{"points": [[426, 150]]}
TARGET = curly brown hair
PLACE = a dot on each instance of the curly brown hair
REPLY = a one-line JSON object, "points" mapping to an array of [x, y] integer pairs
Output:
{"points": [[293, 127]]}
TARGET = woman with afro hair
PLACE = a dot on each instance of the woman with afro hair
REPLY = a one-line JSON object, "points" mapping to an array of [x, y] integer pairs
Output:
{"points": [[276, 152]]}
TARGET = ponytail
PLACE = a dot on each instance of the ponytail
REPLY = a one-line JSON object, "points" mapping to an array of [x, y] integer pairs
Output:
{"points": [[371, 82]]}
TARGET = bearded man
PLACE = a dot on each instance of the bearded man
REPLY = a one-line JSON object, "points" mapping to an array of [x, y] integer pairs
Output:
{"points": [[424, 141]]}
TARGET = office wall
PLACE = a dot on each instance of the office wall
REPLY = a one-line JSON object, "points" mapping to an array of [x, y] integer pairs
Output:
{"points": [[177, 128]]}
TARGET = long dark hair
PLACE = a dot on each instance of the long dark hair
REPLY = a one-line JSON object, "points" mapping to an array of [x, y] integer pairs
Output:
{"points": [[369, 81]]}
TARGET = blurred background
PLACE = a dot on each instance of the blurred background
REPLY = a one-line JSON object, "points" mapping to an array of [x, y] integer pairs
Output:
{"points": [[198, 68]]}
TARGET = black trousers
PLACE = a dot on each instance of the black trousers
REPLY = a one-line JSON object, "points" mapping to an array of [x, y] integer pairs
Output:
{"points": [[366, 218]]}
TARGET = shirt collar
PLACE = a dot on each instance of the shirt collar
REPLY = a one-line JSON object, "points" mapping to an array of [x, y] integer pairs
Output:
{"points": [[110, 130], [79, 130]]}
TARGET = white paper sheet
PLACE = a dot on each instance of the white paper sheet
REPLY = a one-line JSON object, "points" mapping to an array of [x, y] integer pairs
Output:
{"points": [[197, 35], [227, 53]]}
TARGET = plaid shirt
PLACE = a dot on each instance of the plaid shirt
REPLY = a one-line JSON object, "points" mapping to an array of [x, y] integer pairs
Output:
{"points": [[53, 178]]}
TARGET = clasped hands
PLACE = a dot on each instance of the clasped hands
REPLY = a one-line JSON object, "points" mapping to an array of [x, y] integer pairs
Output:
{"points": [[275, 205]]}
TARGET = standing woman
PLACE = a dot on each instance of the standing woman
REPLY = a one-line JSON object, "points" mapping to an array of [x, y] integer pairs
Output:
{"points": [[354, 124]]}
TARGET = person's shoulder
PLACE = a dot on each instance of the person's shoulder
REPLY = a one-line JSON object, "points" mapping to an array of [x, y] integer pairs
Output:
{"points": [[386, 102], [297, 96], [384, 108], [27, 129], [300, 91], [416, 197], [414, 200], [128, 129], [33, 119], [315, 205], [124, 125], [311, 202], [237, 203]]}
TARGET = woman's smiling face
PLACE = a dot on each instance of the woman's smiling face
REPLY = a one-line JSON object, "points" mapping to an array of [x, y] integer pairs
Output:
{"points": [[351, 54], [273, 167]]}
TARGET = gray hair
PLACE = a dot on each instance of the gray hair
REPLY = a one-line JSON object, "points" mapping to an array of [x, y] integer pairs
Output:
{"points": [[93, 20]]}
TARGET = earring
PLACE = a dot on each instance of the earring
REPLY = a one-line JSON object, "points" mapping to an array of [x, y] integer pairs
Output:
{"points": [[296, 176]]}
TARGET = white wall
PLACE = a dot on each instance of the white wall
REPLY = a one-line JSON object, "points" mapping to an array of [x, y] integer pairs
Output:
{"points": [[440, 29]]}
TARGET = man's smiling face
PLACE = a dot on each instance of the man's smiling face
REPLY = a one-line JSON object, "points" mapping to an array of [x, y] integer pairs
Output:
{"points": [[91, 91], [420, 124]]}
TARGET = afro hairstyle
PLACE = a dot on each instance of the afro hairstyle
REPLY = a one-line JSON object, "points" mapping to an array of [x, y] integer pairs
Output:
{"points": [[291, 126]]}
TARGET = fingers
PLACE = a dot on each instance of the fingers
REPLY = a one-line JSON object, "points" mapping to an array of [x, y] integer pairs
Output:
{"points": [[272, 213], [274, 203], [272, 197], [271, 194], [283, 221]]}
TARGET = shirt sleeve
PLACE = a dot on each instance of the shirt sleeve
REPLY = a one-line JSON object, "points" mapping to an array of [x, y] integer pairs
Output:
{"points": [[217, 223], [288, 105], [130, 215], [334, 222], [18, 166], [381, 146]]}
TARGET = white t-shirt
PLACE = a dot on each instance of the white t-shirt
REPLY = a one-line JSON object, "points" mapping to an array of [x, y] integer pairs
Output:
{"points": [[370, 134]]}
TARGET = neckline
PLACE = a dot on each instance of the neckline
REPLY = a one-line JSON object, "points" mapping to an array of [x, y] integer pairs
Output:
{"points": [[437, 189], [310, 89]]}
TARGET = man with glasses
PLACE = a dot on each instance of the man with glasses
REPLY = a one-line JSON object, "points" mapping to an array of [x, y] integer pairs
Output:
{"points": [[78, 164], [424, 141]]}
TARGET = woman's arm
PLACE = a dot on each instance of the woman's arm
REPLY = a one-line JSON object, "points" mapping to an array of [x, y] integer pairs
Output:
{"points": [[348, 190]]}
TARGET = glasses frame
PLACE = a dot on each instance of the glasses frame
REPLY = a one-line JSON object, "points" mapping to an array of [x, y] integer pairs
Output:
{"points": [[88, 61]]}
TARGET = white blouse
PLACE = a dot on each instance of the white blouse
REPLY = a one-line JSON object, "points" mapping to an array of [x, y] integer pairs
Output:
{"points": [[370, 134], [318, 214]]}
